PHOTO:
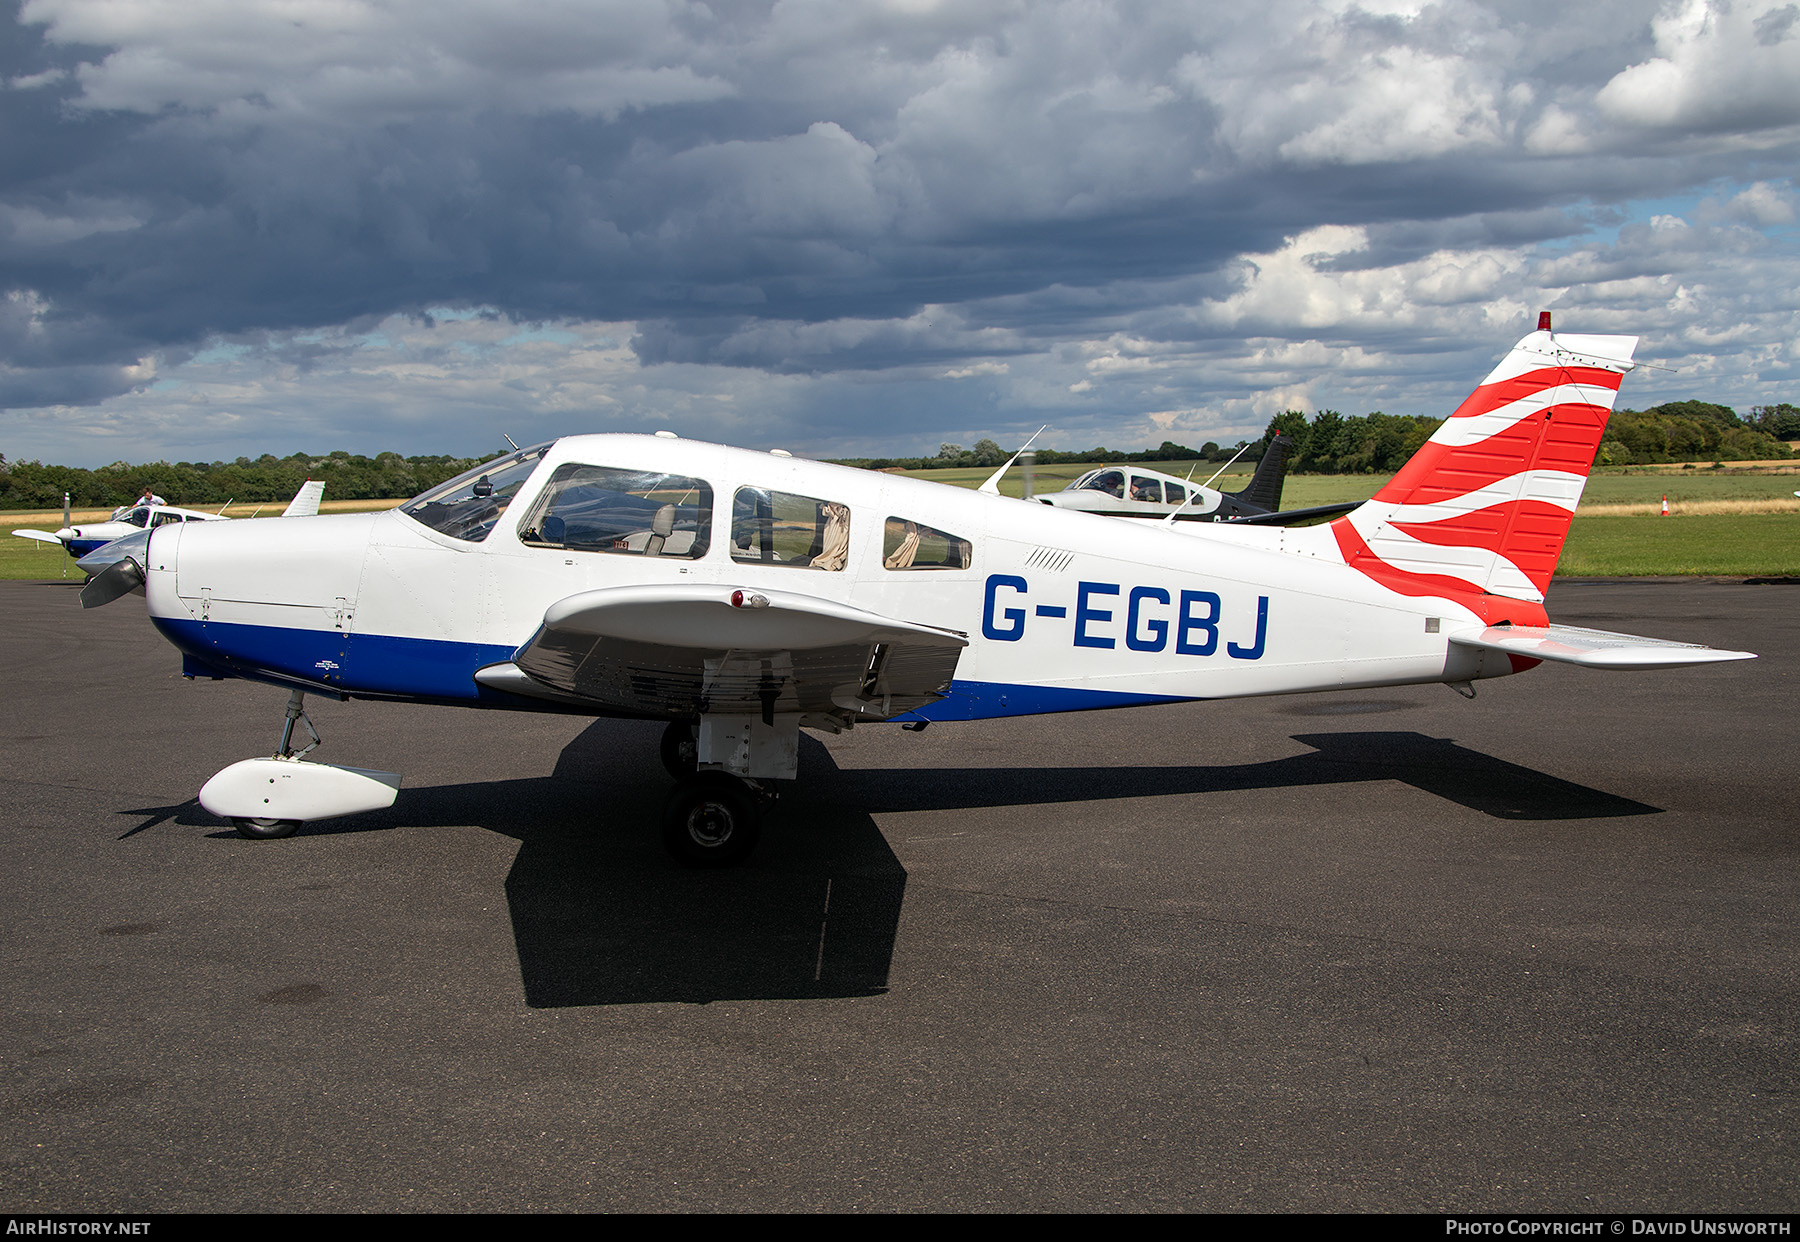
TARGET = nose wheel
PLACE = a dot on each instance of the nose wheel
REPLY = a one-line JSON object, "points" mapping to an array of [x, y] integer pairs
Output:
{"points": [[265, 829]]}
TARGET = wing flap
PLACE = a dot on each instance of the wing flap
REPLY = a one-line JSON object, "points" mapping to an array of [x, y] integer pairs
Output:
{"points": [[1568, 644], [688, 650]]}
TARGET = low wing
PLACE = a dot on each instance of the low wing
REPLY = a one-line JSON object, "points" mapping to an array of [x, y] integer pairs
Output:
{"points": [[689, 650], [306, 501], [1568, 644]]}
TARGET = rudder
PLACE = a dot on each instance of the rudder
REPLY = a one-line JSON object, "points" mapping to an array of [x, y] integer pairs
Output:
{"points": [[1485, 505]]}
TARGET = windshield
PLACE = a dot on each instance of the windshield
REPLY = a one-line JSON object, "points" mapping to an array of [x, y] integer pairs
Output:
{"points": [[1112, 482], [468, 506]]}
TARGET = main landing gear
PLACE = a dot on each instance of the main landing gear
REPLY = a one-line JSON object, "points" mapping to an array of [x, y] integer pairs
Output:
{"points": [[713, 816]]}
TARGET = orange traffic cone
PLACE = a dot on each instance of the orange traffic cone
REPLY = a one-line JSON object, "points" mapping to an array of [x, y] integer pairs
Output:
{"points": [[1665, 511]]}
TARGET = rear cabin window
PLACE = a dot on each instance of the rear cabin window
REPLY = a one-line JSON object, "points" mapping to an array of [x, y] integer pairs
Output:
{"points": [[630, 512], [907, 544], [1146, 489], [780, 528]]}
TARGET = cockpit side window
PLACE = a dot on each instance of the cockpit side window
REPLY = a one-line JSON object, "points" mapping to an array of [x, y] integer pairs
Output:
{"points": [[137, 517], [632, 512], [1146, 489], [469, 506], [907, 544], [780, 528]]}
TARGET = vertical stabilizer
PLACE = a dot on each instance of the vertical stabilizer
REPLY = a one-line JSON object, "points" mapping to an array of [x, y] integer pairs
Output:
{"points": [[306, 501], [1485, 505], [1264, 489]]}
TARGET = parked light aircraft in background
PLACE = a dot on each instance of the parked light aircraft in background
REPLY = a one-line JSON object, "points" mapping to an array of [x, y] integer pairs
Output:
{"points": [[133, 520], [126, 520], [1132, 491], [741, 596], [304, 504]]}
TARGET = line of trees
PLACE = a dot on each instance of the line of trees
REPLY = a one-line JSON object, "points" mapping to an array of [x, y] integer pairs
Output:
{"points": [[988, 453], [1331, 443], [1326, 443], [199, 485]]}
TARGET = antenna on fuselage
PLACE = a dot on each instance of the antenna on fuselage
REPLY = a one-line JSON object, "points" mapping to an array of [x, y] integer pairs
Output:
{"points": [[1242, 449], [509, 440], [992, 486]]}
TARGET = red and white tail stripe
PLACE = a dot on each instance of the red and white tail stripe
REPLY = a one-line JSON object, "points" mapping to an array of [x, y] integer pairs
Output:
{"points": [[1483, 508]]}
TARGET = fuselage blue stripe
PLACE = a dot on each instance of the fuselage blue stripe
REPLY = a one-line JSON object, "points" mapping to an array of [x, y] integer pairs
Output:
{"points": [[376, 665], [439, 670]]}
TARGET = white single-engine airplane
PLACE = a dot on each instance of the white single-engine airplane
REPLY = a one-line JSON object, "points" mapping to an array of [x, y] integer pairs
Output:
{"points": [[1134, 492], [132, 520], [740, 596]]}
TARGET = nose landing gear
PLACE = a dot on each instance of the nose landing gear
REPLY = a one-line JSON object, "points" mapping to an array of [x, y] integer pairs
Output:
{"points": [[267, 799]]}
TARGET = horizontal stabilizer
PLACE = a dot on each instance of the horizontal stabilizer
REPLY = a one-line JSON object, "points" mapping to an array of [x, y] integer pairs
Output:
{"points": [[1569, 644]]}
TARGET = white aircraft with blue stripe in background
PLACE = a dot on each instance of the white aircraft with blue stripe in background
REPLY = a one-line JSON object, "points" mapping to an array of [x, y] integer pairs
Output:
{"points": [[129, 526], [738, 597]]}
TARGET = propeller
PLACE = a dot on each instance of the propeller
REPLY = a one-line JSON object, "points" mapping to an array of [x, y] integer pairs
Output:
{"points": [[118, 579], [42, 536]]}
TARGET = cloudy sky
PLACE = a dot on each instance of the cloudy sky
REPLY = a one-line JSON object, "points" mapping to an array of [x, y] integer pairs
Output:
{"points": [[867, 226]]}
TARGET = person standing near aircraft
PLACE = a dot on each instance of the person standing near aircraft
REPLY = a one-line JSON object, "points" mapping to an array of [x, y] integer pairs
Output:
{"points": [[150, 498]]}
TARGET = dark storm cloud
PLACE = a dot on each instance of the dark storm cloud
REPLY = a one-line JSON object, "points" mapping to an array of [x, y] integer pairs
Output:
{"points": [[811, 188]]}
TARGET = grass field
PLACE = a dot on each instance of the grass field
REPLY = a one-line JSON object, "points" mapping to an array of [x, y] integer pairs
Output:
{"points": [[1728, 545], [1739, 520]]}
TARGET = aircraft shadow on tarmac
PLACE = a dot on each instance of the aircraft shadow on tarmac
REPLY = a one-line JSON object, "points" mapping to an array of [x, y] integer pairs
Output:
{"points": [[601, 916]]}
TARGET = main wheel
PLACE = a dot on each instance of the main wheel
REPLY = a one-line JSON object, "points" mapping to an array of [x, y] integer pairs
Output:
{"points": [[680, 750], [266, 829], [711, 820]]}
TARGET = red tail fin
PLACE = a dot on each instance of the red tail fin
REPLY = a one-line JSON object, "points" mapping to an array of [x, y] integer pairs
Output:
{"points": [[1485, 505]]}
